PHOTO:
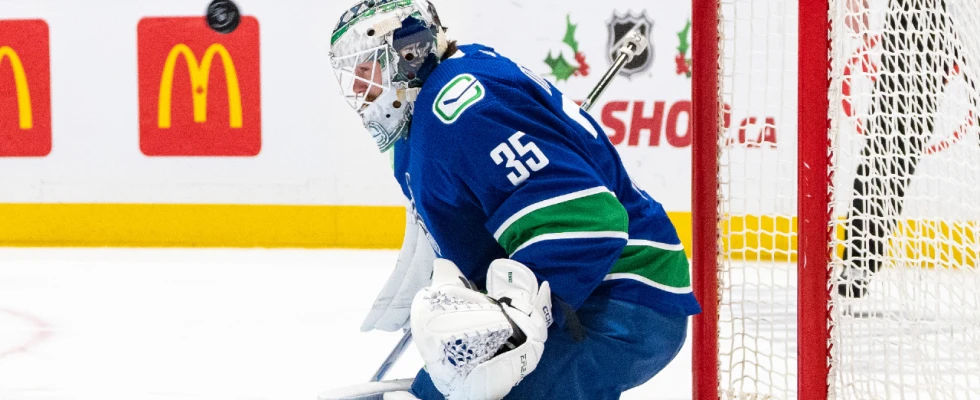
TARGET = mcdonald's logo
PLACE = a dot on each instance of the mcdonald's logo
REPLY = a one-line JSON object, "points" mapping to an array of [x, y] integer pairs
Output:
{"points": [[24, 114], [185, 109], [25, 89], [200, 72]]}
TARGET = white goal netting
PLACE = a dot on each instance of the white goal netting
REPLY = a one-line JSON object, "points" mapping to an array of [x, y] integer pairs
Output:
{"points": [[757, 189], [904, 147], [757, 206], [906, 168]]}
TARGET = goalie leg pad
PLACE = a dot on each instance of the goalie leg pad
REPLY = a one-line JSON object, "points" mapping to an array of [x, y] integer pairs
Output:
{"points": [[390, 311]]}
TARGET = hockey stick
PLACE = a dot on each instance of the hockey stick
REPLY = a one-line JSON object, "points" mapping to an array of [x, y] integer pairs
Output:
{"points": [[632, 44], [368, 390], [376, 388], [395, 354]]}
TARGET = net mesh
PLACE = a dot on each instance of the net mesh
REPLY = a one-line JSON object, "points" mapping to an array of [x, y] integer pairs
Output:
{"points": [[757, 188], [906, 167], [905, 154]]}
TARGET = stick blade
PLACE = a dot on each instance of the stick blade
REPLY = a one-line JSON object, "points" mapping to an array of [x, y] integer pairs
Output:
{"points": [[371, 391]]}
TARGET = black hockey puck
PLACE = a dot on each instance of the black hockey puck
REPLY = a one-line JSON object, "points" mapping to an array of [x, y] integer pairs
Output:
{"points": [[223, 16]]}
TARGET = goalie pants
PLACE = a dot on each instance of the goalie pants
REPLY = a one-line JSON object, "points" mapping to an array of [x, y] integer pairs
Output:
{"points": [[920, 48], [624, 345]]}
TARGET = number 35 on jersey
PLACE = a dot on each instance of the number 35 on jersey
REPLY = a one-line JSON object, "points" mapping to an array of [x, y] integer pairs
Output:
{"points": [[514, 155]]}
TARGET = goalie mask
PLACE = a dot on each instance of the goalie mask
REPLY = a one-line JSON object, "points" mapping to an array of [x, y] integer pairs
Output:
{"points": [[381, 53]]}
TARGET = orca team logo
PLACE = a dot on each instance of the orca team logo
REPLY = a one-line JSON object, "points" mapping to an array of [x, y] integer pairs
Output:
{"points": [[619, 26], [25, 89], [198, 88], [457, 96]]}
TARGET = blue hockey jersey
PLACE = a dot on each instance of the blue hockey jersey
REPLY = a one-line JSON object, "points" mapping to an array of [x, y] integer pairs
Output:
{"points": [[500, 164]]}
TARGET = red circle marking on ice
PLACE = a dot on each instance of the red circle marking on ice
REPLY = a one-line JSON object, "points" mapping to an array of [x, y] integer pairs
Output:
{"points": [[40, 333]]}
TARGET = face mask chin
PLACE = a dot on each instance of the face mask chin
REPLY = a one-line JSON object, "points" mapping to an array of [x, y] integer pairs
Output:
{"points": [[387, 119]]}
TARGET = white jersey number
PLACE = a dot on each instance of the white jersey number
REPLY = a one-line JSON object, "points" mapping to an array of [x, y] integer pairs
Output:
{"points": [[505, 153]]}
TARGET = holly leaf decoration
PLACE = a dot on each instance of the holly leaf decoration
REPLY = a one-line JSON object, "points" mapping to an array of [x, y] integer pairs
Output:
{"points": [[570, 33], [683, 66], [560, 67], [682, 35]]}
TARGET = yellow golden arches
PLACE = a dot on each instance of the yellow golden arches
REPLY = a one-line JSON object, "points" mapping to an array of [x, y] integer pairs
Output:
{"points": [[199, 74], [23, 92]]}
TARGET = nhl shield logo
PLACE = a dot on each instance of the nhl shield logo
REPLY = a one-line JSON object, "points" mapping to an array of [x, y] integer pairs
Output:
{"points": [[619, 26]]}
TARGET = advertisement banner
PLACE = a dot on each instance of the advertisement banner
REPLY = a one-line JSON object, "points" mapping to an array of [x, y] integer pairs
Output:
{"points": [[25, 89], [183, 112], [249, 127]]}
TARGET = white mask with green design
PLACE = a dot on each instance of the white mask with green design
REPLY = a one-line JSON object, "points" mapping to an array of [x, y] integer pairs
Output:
{"points": [[381, 53]]}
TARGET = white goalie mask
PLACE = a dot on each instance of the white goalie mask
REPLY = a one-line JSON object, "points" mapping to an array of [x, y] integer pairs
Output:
{"points": [[381, 52]]}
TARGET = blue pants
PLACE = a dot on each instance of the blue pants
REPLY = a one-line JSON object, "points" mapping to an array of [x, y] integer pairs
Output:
{"points": [[624, 346]]}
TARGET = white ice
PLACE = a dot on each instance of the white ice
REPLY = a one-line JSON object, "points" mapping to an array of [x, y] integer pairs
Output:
{"points": [[154, 324]]}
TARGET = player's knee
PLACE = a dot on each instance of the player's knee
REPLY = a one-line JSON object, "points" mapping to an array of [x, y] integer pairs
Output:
{"points": [[665, 344]]}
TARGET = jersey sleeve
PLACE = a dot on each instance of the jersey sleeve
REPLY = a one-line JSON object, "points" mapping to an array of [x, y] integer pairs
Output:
{"points": [[546, 205]]}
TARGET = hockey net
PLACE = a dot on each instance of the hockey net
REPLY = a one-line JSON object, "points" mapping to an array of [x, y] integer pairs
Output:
{"points": [[837, 199]]}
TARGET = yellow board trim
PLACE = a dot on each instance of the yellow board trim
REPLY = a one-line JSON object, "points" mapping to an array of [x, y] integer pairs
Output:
{"points": [[759, 237], [213, 225], [745, 237], [925, 242], [200, 225]]}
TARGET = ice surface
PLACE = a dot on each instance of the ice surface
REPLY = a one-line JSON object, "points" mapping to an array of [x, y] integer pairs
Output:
{"points": [[135, 324]]}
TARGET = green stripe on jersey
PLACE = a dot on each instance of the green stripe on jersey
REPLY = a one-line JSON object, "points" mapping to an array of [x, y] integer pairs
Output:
{"points": [[600, 212], [668, 268]]}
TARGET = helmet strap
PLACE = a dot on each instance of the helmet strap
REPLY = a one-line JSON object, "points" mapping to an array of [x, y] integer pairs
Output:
{"points": [[386, 26], [408, 95], [442, 42]]}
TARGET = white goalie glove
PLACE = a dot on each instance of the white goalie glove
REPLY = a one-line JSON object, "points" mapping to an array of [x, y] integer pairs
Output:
{"points": [[478, 346]]}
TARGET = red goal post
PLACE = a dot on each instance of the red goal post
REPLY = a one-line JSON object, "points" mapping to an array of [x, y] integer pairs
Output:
{"points": [[706, 120], [769, 245]]}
